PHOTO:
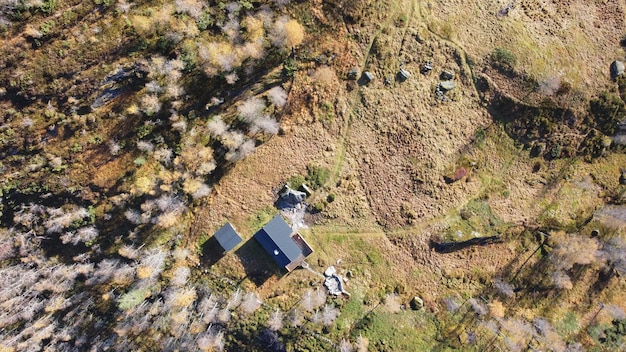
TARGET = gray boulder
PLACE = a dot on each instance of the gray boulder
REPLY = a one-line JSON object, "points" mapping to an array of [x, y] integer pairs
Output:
{"points": [[617, 69]]}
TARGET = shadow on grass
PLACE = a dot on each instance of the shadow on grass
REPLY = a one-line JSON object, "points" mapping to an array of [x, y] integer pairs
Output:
{"points": [[258, 265], [212, 252]]}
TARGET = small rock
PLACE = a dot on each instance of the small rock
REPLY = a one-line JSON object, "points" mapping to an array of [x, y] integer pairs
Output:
{"points": [[617, 69], [446, 85], [428, 66], [417, 303], [622, 178], [368, 76], [330, 271], [350, 274], [403, 75], [353, 73], [446, 75]]}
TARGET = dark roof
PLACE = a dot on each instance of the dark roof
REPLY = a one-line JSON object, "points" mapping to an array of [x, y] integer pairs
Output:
{"points": [[227, 237], [275, 238]]}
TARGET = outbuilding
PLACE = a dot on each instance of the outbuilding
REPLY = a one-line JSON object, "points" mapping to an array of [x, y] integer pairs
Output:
{"points": [[227, 237]]}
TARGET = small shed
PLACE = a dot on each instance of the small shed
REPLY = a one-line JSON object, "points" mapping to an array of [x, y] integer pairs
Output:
{"points": [[276, 238], [227, 237]]}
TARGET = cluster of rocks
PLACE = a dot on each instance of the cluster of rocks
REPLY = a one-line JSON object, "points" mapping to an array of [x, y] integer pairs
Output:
{"points": [[445, 85], [334, 282]]}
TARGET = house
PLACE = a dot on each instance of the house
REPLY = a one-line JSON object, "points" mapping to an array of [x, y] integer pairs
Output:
{"points": [[227, 237], [287, 248]]}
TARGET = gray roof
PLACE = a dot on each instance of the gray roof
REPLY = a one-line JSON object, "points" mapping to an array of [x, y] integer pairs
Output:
{"points": [[275, 238], [227, 237]]}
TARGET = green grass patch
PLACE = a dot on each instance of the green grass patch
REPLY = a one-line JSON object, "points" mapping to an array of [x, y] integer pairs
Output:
{"points": [[476, 219], [404, 331], [132, 298], [262, 217]]}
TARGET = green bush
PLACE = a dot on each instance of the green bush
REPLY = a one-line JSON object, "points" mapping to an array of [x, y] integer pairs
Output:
{"points": [[317, 176], [503, 57]]}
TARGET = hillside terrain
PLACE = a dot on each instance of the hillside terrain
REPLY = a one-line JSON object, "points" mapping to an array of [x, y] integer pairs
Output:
{"points": [[465, 162]]}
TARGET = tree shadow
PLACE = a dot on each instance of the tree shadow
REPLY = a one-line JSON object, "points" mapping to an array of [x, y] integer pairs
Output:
{"points": [[258, 265]]}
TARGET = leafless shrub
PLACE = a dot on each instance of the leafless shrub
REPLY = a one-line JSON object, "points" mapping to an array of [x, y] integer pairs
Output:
{"points": [[329, 314], [251, 109], [250, 303], [134, 217], [180, 297], [145, 146], [231, 78], [154, 87], [548, 336], [478, 307], [614, 250], [561, 280], [164, 156], [128, 251], [362, 343], [193, 8], [504, 287], [150, 104], [223, 316], [211, 340], [275, 321], [452, 305], [295, 318], [106, 269], [345, 346], [517, 332], [243, 151], [122, 6], [616, 312], [277, 96], [575, 249], [550, 85], [266, 124], [180, 276], [152, 264]]}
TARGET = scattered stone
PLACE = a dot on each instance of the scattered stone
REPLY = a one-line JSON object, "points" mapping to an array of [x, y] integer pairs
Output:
{"points": [[387, 81], [617, 69], [304, 188], [442, 88], [403, 75], [446, 75], [417, 303], [428, 66], [334, 284], [622, 178], [353, 73], [350, 274]]}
